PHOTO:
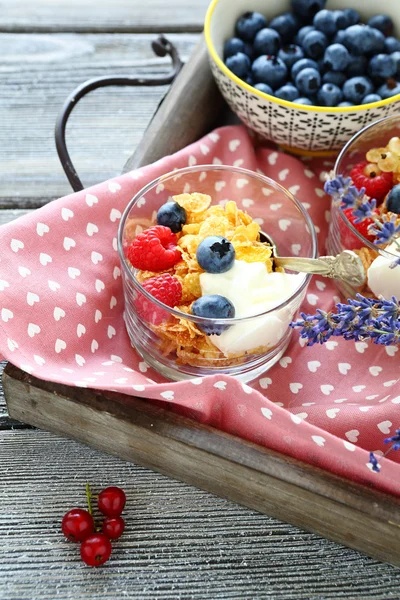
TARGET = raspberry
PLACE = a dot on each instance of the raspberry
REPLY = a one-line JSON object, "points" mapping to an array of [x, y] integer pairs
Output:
{"points": [[154, 250], [166, 289], [348, 239], [369, 176]]}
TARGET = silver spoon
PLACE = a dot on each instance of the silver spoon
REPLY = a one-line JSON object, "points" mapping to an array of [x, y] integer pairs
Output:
{"points": [[346, 266]]}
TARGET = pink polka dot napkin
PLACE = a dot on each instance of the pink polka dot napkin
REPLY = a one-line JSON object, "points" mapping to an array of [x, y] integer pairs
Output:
{"points": [[61, 309]]}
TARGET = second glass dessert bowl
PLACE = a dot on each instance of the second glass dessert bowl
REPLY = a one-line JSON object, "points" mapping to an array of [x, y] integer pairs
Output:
{"points": [[370, 162], [215, 252]]}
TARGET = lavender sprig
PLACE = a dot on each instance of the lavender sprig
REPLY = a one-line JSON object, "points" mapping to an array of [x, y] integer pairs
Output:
{"points": [[345, 195], [394, 440], [360, 319]]}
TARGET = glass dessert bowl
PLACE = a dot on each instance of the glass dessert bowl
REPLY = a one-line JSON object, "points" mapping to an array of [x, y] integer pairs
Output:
{"points": [[202, 295], [365, 208]]}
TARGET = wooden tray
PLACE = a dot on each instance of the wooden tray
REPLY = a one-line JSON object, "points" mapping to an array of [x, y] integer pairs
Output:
{"points": [[154, 437]]}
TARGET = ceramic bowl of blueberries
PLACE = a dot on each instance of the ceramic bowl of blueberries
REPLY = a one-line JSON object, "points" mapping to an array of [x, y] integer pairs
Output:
{"points": [[370, 161], [219, 306], [306, 74]]}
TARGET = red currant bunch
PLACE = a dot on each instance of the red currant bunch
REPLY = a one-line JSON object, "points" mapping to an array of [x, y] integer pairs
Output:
{"points": [[78, 525]]}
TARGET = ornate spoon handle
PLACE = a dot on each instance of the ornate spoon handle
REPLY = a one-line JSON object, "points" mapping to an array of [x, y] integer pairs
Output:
{"points": [[346, 266]]}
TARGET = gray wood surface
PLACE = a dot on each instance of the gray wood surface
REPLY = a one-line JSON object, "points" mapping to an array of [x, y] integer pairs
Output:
{"points": [[180, 542], [102, 15], [38, 73]]}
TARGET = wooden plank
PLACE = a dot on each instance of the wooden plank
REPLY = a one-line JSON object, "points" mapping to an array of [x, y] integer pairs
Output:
{"points": [[180, 543], [101, 15], [251, 475], [103, 130]]}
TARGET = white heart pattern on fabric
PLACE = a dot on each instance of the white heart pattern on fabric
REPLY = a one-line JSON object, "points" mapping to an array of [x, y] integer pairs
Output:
{"points": [[97, 316], [99, 285], [321, 285], [33, 329], [39, 360], [283, 174], [295, 387], [45, 259], [16, 245], [12, 344], [73, 272], [326, 389], [79, 360], [265, 382], [276, 206], [361, 347], [234, 145], [94, 346], [313, 365], [332, 412], [375, 370], [272, 158], [115, 214], [344, 368], [91, 200], [318, 439], [247, 202], [80, 330], [294, 189], [60, 345], [391, 350], [285, 361], [69, 243], [312, 299], [6, 314], [96, 257], [168, 395], [58, 313], [53, 285], [358, 388], [111, 332], [240, 183], [352, 435], [385, 426], [42, 228], [24, 271], [284, 224], [114, 186], [91, 229], [113, 302], [266, 412], [349, 446], [66, 213], [330, 345], [296, 249], [31, 298], [220, 385], [80, 298], [219, 185]]}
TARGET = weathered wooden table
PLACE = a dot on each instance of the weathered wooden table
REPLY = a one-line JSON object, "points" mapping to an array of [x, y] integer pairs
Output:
{"points": [[180, 542]]}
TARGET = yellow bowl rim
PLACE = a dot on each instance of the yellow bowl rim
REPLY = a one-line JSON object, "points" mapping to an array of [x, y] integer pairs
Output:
{"points": [[274, 99]]}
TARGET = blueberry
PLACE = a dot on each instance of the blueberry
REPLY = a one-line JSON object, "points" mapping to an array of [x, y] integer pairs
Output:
{"points": [[396, 61], [301, 64], [270, 70], [329, 95], [263, 87], [382, 65], [352, 16], [301, 34], [345, 103], [286, 25], [290, 54], [306, 9], [315, 44], [249, 79], [287, 92], [340, 37], [171, 215], [324, 21], [249, 24], [392, 44], [215, 254], [233, 46], [305, 101], [308, 81], [379, 42], [371, 98], [393, 200], [340, 20], [249, 50], [213, 306], [389, 89], [356, 88], [267, 41], [357, 66], [362, 39], [336, 57], [383, 23], [336, 77], [239, 64]]}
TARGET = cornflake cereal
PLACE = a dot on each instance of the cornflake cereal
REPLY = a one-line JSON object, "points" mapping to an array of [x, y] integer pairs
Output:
{"points": [[180, 336]]}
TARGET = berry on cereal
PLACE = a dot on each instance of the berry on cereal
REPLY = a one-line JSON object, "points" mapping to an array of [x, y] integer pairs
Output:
{"points": [[167, 289], [213, 306], [171, 215], [154, 250], [215, 254], [369, 176]]}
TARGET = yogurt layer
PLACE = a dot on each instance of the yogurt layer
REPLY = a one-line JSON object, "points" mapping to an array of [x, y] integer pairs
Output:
{"points": [[252, 290], [382, 280]]}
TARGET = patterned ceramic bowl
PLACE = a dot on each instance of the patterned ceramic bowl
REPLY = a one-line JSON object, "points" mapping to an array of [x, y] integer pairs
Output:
{"points": [[173, 341], [298, 128]]}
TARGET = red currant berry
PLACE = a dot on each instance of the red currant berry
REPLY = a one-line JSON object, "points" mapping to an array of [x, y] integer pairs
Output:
{"points": [[96, 550], [111, 501], [77, 524], [113, 527]]}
